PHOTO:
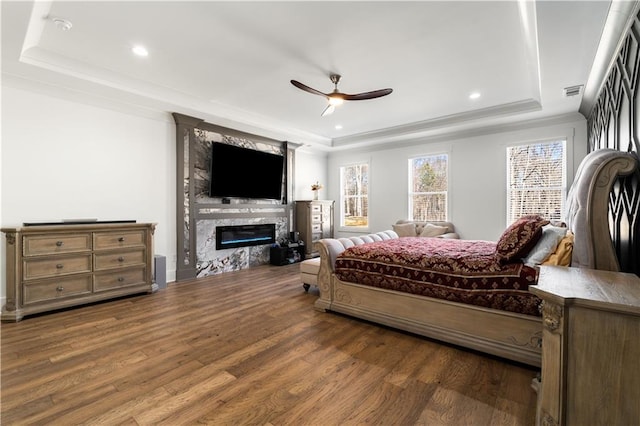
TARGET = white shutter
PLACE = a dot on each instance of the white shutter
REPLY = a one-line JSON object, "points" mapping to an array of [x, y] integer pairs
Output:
{"points": [[536, 180]]}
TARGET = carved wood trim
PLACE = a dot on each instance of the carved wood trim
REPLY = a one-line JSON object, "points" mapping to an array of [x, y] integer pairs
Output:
{"points": [[535, 341], [551, 316], [548, 420]]}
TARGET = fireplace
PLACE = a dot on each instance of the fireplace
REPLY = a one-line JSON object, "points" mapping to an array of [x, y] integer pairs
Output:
{"points": [[245, 235]]}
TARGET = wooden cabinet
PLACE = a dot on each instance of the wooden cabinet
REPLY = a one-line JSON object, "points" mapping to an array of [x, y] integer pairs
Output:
{"points": [[314, 220], [590, 347], [286, 255], [56, 266]]}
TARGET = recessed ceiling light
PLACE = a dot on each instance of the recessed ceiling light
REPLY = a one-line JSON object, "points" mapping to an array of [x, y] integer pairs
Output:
{"points": [[140, 50], [474, 95], [62, 24], [338, 126]]}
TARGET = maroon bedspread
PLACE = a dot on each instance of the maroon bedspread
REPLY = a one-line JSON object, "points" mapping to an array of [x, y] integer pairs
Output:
{"points": [[465, 271]]}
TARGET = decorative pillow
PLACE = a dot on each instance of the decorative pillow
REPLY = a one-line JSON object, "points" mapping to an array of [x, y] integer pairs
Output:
{"points": [[520, 237], [431, 230], [405, 229], [551, 236], [562, 255]]}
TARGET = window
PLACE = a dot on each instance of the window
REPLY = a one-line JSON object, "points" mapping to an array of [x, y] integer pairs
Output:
{"points": [[428, 180], [354, 181], [536, 180]]}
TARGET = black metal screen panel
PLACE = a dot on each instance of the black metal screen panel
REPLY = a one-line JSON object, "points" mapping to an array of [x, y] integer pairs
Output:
{"points": [[614, 123]]}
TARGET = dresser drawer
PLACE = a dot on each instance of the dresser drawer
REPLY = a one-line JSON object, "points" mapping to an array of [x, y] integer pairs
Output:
{"points": [[36, 268], [35, 245], [120, 259], [54, 289], [124, 278], [122, 239]]}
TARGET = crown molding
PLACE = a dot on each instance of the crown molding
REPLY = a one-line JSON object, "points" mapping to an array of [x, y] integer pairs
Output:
{"points": [[460, 134], [412, 130]]}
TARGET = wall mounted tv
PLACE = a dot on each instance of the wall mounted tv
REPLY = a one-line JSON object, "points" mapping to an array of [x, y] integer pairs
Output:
{"points": [[245, 173]]}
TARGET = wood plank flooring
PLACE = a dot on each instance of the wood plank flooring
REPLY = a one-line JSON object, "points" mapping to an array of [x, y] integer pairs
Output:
{"points": [[239, 348]]}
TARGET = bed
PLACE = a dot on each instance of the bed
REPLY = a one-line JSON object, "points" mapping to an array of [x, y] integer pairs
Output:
{"points": [[469, 293]]}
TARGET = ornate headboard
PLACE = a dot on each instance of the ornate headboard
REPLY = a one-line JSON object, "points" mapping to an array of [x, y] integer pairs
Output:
{"points": [[588, 207]]}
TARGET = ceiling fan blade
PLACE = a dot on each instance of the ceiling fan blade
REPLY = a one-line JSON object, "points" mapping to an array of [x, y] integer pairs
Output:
{"points": [[367, 95], [307, 88], [328, 110], [336, 97]]}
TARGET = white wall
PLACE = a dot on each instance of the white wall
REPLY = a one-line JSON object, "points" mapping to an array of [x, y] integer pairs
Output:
{"points": [[311, 167], [63, 160], [477, 172]]}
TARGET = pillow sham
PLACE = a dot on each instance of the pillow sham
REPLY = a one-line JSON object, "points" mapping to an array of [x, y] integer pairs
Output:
{"points": [[546, 245], [563, 253], [405, 229], [520, 237], [431, 230]]}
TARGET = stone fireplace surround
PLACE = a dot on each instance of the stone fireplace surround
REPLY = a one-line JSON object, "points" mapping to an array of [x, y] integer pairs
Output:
{"points": [[198, 215]]}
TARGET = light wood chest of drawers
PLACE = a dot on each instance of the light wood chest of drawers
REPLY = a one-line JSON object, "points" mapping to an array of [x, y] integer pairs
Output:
{"points": [[56, 266], [590, 347], [314, 220]]}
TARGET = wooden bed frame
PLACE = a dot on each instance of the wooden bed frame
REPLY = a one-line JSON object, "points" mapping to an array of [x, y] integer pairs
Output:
{"points": [[513, 336]]}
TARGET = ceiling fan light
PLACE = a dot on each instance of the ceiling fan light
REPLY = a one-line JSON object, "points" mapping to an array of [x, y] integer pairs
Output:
{"points": [[335, 100], [328, 110]]}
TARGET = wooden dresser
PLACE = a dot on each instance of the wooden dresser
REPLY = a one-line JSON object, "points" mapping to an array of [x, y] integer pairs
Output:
{"points": [[590, 347], [56, 266], [314, 220]]}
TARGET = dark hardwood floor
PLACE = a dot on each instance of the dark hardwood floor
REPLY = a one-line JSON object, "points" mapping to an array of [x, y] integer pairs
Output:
{"points": [[245, 347]]}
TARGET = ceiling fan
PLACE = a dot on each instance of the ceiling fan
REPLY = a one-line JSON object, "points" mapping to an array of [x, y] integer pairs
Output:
{"points": [[337, 98]]}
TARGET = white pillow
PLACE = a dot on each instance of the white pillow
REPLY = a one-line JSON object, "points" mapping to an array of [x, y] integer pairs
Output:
{"points": [[431, 230], [547, 244], [405, 229]]}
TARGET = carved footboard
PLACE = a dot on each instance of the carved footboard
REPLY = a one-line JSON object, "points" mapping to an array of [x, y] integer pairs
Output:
{"points": [[505, 334]]}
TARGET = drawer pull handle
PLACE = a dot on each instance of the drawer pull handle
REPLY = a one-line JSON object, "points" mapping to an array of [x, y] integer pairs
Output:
{"points": [[59, 266], [59, 289], [120, 279], [121, 239], [59, 243], [121, 259]]}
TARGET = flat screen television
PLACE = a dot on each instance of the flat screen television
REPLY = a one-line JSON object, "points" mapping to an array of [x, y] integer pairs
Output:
{"points": [[245, 173]]}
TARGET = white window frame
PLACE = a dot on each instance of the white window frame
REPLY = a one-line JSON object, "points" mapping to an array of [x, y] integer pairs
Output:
{"points": [[343, 197], [562, 187], [411, 194]]}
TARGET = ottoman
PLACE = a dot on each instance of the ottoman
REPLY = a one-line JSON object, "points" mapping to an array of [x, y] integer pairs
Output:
{"points": [[309, 272]]}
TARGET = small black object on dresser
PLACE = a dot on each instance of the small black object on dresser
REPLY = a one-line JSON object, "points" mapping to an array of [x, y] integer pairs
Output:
{"points": [[287, 253]]}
